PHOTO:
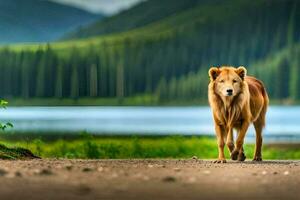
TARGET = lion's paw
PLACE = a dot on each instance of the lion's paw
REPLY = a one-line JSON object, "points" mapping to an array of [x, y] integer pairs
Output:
{"points": [[241, 157], [220, 161], [257, 158], [234, 155]]}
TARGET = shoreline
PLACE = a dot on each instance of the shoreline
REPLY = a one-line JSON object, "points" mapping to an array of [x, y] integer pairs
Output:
{"points": [[135, 101]]}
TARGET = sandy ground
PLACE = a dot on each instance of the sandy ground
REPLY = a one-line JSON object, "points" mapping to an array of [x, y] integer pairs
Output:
{"points": [[149, 179]]}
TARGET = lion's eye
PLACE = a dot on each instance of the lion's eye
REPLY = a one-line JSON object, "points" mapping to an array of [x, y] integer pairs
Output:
{"points": [[222, 81], [234, 80]]}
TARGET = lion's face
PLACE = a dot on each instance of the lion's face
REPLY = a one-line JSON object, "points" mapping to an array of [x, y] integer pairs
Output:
{"points": [[227, 80]]}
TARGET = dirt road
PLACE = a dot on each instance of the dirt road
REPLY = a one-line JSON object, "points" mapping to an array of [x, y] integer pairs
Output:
{"points": [[148, 179]]}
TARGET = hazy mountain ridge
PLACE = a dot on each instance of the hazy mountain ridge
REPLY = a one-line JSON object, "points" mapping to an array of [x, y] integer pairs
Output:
{"points": [[142, 14], [39, 20]]}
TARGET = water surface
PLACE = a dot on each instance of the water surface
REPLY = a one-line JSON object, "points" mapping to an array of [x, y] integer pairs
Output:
{"points": [[283, 122]]}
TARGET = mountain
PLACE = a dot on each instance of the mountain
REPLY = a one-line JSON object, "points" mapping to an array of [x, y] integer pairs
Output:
{"points": [[39, 20], [140, 15], [167, 57]]}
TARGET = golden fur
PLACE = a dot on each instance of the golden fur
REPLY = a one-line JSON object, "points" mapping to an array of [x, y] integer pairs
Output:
{"points": [[237, 100]]}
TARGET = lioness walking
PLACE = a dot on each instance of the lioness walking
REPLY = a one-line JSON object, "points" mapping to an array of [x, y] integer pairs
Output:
{"points": [[237, 100]]}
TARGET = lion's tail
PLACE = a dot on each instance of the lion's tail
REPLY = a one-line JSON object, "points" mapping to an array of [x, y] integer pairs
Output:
{"points": [[263, 112]]}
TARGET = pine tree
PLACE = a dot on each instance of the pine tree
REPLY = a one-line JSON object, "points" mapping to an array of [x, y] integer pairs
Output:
{"points": [[162, 90], [93, 81], [294, 69], [59, 81], [74, 83]]}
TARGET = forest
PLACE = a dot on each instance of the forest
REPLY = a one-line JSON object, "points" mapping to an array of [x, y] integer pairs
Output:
{"points": [[167, 59]]}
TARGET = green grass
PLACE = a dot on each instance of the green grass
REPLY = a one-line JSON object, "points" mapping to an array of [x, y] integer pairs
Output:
{"points": [[113, 147]]}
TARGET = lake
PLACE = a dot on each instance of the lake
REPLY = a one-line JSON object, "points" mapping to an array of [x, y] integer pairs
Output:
{"points": [[283, 122]]}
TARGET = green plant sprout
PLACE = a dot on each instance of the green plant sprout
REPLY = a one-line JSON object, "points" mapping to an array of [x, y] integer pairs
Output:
{"points": [[3, 104]]}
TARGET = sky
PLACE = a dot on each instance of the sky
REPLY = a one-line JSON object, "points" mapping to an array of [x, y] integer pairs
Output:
{"points": [[108, 7]]}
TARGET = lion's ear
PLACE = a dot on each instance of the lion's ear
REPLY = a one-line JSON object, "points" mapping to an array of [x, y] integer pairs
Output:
{"points": [[241, 71], [213, 73]]}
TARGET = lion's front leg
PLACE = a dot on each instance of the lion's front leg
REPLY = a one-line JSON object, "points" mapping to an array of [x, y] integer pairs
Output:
{"points": [[238, 152], [220, 131], [229, 140]]}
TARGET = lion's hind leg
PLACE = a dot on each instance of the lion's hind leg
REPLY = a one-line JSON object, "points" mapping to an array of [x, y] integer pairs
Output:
{"points": [[258, 146]]}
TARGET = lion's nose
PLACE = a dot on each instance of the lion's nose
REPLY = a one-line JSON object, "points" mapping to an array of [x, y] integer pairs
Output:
{"points": [[229, 91]]}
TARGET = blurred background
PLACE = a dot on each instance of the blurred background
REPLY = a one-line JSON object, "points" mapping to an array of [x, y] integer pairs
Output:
{"points": [[139, 67]]}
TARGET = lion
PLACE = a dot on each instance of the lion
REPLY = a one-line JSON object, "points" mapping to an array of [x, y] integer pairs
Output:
{"points": [[236, 100]]}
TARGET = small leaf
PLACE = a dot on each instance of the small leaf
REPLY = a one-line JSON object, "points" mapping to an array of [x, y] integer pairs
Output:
{"points": [[9, 124], [3, 103], [2, 127]]}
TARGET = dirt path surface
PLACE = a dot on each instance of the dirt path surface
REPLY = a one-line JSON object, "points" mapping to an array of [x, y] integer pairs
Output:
{"points": [[148, 179]]}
